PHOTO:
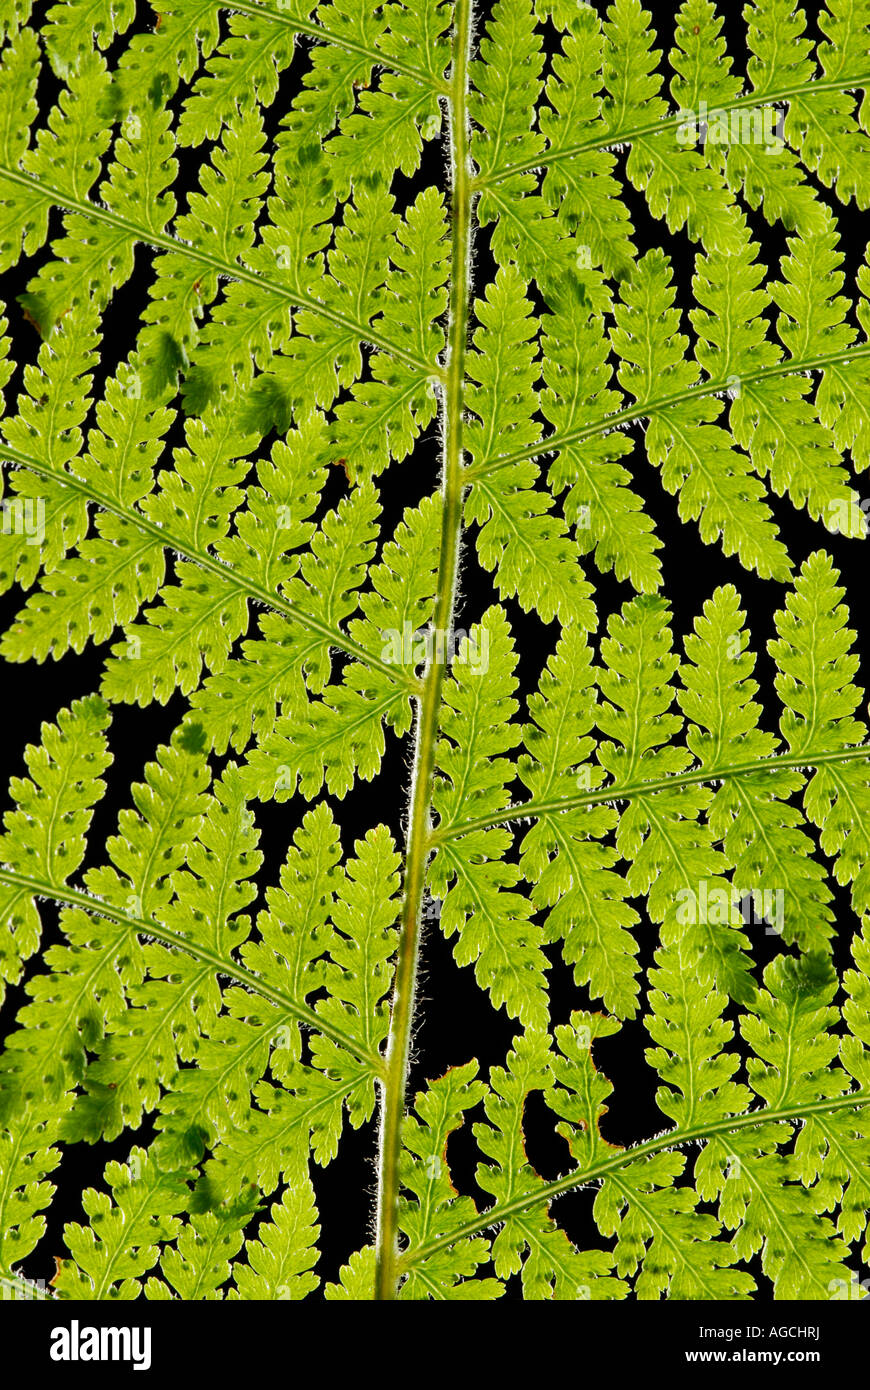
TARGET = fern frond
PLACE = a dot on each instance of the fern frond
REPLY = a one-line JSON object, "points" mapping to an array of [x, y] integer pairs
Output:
{"points": [[243, 73], [802, 458], [607, 514], [761, 833], [44, 836], [13, 16], [582, 1090], [700, 59], [813, 316], [27, 1155], [713, 478], [53, 410], [389, 412], [327, 89], [815, 668], [769, 415], [357, 1278], [824, 129], [275, 522], [279, 1262], [91, 973], [856, 1011], [580, 187], [77, 123], [23, 218], [660, 834], [800, 1250], [209, 894], [831, 1151], [552, 1267], [658, 1228], [212, 1102], [314, 319], [676, 182], [507, 78], [199, 618], [181, 998], [570, 871], [73, 28], [57, 390], [305, 1114], [95, 256], [416, 40], [534, 561], [333, 570], [341, 736], [118, 570], [836, 1146], [436, 1206], [358, 974], [119, 1246], [326, 353], [677, 1249], [841, 396], [769, 174], [390, 125], [468, 874], [779, 49], [247, 323], [6, 365], [348, 955], [686, 1021], [294, 932], [200, 1261]]}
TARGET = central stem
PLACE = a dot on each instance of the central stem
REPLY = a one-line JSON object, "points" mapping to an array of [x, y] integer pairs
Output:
{"points": [[394, 1086]]}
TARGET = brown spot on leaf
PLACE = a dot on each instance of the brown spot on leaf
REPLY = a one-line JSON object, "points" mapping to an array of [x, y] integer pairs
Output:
{"points": [[341, 463]]}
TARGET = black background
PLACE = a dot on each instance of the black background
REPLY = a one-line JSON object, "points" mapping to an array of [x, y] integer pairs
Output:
{"points": [[455, 1022]]}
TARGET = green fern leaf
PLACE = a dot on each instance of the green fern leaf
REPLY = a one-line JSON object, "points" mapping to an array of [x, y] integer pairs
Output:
{"points": [[675, 181], [552, 1267], [56, 402], [73, 28], [244, 71], [389, 413], [279, 1262], [110, 1255], [535, 562], [118, 570], [340, 737], [816, 666], [23, 217], [762, 835], [713, 478], [96, 965], [800, 1251], [44, 837], [493, 920], [287, 568], [579, 184], [357, 1278], [570, 871], [27, 1156], [660, 833], [824, 129], [605, 512], [200, 1261], [436, 1208]]}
